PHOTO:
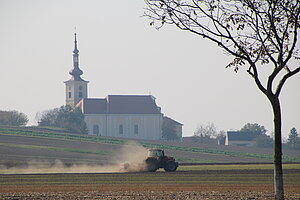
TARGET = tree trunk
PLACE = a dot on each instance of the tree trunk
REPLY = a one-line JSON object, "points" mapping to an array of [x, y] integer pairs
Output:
{"points": [[278, 175]]}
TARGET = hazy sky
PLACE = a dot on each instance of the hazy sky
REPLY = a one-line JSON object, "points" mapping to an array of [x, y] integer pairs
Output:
{"points": [[121, 54]]}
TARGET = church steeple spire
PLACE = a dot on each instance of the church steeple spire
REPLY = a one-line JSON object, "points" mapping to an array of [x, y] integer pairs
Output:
{"points": [[76, 72], [76, 87], [75, 44]]}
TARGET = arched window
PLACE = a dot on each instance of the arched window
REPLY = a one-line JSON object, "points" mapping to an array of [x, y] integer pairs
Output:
{"points": [[120, 129], [95, 129], [136, 129]]}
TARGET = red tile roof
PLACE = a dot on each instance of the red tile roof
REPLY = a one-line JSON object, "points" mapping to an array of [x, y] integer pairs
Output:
{"points": [[120, 104]]}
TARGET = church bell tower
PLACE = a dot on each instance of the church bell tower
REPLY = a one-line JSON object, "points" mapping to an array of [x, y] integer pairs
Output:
{"points": [[76, 87]]}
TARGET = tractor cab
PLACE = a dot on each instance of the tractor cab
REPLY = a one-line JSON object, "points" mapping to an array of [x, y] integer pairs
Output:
{"points": [[157, 159], [157, 153]]}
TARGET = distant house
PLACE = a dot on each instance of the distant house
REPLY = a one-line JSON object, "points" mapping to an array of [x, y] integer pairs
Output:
{"points": [[175, 125], [239, 138]]}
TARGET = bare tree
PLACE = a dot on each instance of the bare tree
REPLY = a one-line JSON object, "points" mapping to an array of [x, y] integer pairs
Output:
{"points": [[255, 33], [208, 130], [208, 133]]}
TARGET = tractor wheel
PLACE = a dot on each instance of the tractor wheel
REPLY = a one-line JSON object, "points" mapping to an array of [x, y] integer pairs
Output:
{"points": [[152, 164], [170, 166]]}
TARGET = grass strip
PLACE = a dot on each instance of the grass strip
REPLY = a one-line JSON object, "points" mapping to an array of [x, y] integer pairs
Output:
{"points": [[77, 137], [57, 149], [236, 167]]}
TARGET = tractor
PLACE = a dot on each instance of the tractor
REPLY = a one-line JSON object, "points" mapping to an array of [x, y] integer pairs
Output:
{"points": [[157, 159]]}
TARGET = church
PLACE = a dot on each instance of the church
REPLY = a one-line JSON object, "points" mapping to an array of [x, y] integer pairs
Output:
{"points": [[123, 116]]}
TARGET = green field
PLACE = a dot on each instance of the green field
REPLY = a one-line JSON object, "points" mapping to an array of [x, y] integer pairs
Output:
{"points": [[237, 167], [47, 143]]}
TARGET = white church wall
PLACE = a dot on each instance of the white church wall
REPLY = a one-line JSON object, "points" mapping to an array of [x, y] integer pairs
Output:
{"points": [[147, 126], [92, 120]]}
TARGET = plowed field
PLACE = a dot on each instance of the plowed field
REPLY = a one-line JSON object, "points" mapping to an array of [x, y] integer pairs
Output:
{"points": [[195, 184], [25, 152]]}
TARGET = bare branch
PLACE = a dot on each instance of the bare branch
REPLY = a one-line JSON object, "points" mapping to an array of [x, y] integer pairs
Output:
{"points": [[254, 32], [283, 80]]}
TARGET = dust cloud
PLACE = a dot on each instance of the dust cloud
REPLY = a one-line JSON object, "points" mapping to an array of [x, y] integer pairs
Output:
{"points": [[129, 159], [132, 156]]}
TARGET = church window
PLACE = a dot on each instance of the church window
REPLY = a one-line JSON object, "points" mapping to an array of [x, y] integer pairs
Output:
{"points": [[80, 94], [70, 94], [96, 129], [120, 129], [80, 87], [136, 129]]}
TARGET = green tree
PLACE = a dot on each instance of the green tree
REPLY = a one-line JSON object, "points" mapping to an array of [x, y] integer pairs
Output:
{"points": [[47, 118], [13, 118], [64, 117], [293, 139], [254, 33], [254, 128]]}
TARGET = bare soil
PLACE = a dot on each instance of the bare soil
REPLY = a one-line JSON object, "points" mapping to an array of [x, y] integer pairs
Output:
{"points": [[146, 191], [234, 185], [179, 185]]}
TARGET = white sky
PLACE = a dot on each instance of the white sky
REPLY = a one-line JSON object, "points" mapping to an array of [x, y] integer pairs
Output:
{"points": [[121, 54]]}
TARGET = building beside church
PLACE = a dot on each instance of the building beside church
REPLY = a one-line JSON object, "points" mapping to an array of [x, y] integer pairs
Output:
{"points": [[125, 116], [176, 127], [240, 138]]}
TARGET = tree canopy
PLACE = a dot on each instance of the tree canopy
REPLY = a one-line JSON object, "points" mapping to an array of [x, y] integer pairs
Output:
{"points": [[294, 139], [13, 118], [64, 117], [261, 34], [254, 128], [253, 31]]}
